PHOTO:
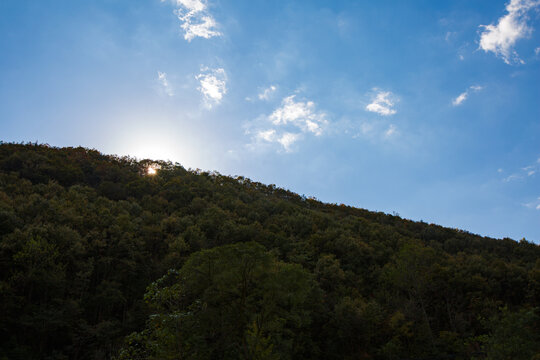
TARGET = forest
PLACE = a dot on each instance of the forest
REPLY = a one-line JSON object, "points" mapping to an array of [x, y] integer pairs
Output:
{"points": [[100, 259]]}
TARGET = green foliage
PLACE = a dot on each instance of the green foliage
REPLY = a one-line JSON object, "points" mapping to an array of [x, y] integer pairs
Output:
{"points": [[513, 335], [230, 302], [88, 241]]}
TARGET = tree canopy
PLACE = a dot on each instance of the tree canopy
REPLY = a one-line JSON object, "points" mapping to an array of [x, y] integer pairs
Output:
{"points": [[100, 260]]}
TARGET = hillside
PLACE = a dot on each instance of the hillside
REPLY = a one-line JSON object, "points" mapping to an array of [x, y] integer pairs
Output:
{"points": [[99, 259]]}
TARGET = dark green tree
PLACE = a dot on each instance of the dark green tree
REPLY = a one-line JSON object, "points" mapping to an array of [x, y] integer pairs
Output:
{"points": [[513, 335], [230, 302]]}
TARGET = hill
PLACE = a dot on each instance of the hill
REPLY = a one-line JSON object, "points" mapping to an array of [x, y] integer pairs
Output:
{"points": [[100, 259]]}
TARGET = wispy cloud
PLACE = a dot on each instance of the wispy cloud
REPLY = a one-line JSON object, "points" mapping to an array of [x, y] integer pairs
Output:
{"points": [[289, 123], [530, 170], [513, 177], [366, 128], [524, 172], [262, 138], [162, 78], [195, 19], [285, 139], [266, 135], [391, 131], [382, 103], [464, 95], [371, 130], [267, 93], [533, 204], [501, 38], [213, 85]]}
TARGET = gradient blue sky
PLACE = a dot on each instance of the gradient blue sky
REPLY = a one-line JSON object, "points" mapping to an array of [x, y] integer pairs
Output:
{"points": [[426, 108]]}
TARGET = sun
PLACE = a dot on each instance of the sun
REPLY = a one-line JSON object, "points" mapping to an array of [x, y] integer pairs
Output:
{"points": [[151, 170]]}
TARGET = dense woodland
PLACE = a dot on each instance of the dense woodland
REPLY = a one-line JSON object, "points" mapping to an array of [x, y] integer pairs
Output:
{"points": [[99, 260]]}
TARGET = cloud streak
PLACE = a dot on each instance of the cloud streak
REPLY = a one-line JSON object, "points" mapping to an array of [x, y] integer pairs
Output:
{"points": [[500, 39], [464, 95], [524, 172], [267, 93]]}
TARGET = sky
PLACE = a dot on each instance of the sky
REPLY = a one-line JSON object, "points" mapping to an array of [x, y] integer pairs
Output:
{"points": [[428, 109]]}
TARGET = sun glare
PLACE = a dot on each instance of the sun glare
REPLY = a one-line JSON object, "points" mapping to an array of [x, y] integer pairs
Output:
{"points": [[151, 170]]}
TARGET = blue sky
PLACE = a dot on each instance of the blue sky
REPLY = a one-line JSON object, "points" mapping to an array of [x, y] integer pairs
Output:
{"points": [[430, 109]]}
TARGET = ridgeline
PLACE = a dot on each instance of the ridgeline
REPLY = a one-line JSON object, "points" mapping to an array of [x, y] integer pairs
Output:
{"points": [[100, 260]]}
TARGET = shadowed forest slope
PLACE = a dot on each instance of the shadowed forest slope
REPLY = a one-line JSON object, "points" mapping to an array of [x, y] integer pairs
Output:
{"points": [[100, 260]]}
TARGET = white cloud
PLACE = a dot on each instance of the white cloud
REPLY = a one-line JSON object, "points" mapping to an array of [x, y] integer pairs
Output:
{"points": [[162, 78], [267, 93], [461, 57], [530, 170], [524, 172], [213, 85], [203, 28], [374, 130], [288, 124], [535, 204], [192, 5], [501, 38], [512, 177], [195, 19], [287, 139], [267, 135], [391, 131], [301, 114], [461, 98], [537, 51], [382, 103], [464, 95]]}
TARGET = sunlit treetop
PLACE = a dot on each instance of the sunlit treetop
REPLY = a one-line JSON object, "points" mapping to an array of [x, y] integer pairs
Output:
{"points": [[152, 169]]}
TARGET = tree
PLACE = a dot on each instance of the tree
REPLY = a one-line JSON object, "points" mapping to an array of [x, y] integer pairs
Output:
{"points": [[513, 335], [230, 302], [411, 273]]}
